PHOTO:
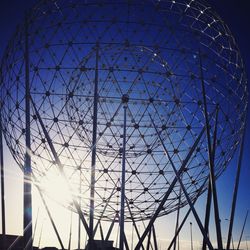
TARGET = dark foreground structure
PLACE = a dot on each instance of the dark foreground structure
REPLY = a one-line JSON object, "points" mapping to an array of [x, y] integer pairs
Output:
{"points": [[15, 242]]}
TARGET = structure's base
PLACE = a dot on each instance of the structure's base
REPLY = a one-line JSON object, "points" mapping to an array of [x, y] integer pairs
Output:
{"points": [[103, 245]]}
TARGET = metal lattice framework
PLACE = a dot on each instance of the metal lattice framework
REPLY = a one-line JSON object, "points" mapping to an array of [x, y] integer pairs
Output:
{"points": [[145, 55]]}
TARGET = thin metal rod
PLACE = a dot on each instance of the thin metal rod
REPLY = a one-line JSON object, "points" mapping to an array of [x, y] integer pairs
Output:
{"points": [[36, 224], [235, 193], [2, 180], [168, 192], [125, 242], [211, 163], [104, 209], [134, 223], [27, 209], [132, 236], [184, 190], [123, 179], [40, 236], [191, 235], [101, 232], [177, 217], [110, 228], [48, 212], [209, 194], [207, 216], [155, 238], [93, 157], [186, 216], [79, 219], [149, 239], [59, 164], [242, 231], [180, 227], [70, 231]]}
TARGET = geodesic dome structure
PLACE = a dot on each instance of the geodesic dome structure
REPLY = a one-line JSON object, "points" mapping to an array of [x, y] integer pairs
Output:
{"points": [[152, 52]]}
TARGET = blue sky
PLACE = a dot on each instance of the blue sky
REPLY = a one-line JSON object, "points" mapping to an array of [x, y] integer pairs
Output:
{"points": [[236, 15]]}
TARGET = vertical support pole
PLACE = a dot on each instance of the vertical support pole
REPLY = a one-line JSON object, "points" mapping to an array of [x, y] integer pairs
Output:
{"points": [[155, 239], [58, 162], [207, 216], [101, 231], [177, 218], [191, 235], [93, 159], [211, 162], [70, 231], [40, 235], [2, 179], [242, 231], [37, 216], [149, 239], [49, 214], [125, 100], [185, 218], [168, 192], [177, 175], [209, 194], [110, 228], [27, 210], [79, 219], [132, 236], [134, 223], [236, 185]]}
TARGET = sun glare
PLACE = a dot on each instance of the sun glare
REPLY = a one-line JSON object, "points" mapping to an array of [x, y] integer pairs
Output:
{"points": [[56, 188]]}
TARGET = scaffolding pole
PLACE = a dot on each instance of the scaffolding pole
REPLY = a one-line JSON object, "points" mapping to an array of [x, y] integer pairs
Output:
{"points": [[211, 161], [125, 99], [93, 157], [2, 180], [235, 193], [27, 209]]}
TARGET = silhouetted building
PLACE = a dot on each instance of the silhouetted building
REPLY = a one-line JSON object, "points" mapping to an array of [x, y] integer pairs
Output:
{"points": [[103, 245], [14, 240]]}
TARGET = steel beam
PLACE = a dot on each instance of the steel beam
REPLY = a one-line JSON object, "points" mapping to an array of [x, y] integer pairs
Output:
{"points": [[125, 242], [59, 164], [121, 217], [134, 222], [93, 157], [70, 231], [2, 180], [179, 228], [177, 217], [207, 216], [211, 162], [155, 238], [209, 194], [48, 212], [149, 239], [191, 235], [101, 231], [184, 190], [35, 225], [103, 211], [185, 218], [79, 219], [110, 228], [164, 199], [235, 193], [27, 209], [242, 231]]}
